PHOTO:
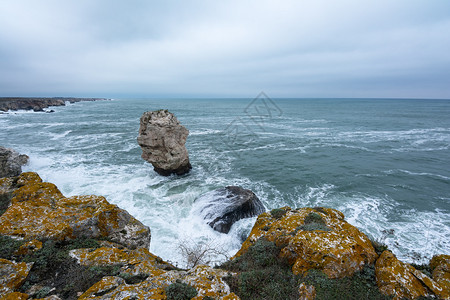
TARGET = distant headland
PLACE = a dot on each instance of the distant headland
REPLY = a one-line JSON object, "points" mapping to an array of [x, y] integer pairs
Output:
{"points": [[38, 103]]}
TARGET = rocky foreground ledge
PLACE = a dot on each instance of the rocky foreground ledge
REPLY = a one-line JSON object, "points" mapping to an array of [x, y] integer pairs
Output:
{"points": [[38, 104], [82, 247]]}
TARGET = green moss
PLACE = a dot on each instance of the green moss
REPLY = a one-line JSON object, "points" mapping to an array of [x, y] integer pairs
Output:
{"points": [[8, 246], [262, 274], [53, 267], [278, 213], [180, 291], [313, 221], [133, 279], [361, 285]]}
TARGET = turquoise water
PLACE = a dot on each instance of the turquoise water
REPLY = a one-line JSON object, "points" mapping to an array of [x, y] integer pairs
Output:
{"points": [[384, 163]]}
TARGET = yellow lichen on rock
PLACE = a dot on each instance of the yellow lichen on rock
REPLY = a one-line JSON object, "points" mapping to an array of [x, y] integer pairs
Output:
{"points": [[206, 280], [14, 296], [331, 244], [440, 264], [39, 210], [12, 276], [401, 280], [29, 247], [133, 262]]}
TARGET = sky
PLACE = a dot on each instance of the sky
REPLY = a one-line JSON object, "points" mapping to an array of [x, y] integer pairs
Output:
{"points": [[236, 48]]}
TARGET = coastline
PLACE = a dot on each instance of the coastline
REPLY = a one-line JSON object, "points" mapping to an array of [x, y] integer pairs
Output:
{"points": [[38, 104]]}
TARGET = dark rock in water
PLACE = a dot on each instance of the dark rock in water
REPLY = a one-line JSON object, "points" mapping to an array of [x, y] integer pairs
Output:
{"points": [[162, 139], [223, 207], [11, 162]]}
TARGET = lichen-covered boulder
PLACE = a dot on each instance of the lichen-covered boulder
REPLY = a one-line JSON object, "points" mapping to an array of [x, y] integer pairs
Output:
{"points": [[11, 162], [206, 280], [440, 265], [38, 210], [222, 207], [133, 262], [400, 280], [12, 276], [314, 238], [162, 139]]}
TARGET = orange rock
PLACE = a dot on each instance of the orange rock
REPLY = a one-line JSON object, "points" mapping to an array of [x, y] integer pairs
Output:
{"points": [[15, 296], [12, 276], [401, 280], [206, 280], [440, 264], [29, 247], [39, 210], [133, 262], [314, 238]]}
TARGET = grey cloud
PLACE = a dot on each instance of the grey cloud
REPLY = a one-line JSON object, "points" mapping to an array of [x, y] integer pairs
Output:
{"points": [[234, 48]]}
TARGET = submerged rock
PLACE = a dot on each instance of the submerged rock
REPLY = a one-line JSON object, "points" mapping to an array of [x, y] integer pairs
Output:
{"points": [[11, 162], [38, 210], [221, 208], [162, 140], [314, 238]]}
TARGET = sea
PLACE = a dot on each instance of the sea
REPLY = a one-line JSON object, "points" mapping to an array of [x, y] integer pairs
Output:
{"points": [[385, 163]]}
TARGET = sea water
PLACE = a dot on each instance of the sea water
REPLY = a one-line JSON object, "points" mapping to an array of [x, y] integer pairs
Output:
{"points": [[385, 163]]}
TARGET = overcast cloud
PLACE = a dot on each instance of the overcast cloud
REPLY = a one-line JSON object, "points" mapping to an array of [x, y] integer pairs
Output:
{"points": [[302, 48]]}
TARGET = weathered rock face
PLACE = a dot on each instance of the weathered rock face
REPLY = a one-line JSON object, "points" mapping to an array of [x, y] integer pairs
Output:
{"points": [[402, 281], [314, 238], [162, 140], [206, 280], [12, 275], [38, 210], [440, 265], [11, 162], [221, 208]]}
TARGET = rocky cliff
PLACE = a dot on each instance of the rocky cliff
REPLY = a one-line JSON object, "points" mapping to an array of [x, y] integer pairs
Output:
{"points": [[82, 247], [37, 104]]}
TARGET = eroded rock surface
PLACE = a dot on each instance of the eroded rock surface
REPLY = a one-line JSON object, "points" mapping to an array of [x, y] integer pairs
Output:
{"points": [[12, 275], [11, 162], [162, 139], [402, 281], [38, 210], [314, 238], [221, 208]]}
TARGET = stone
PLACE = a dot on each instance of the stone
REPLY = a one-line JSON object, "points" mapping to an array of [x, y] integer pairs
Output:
{"points": [[38, 210], [11, 162], [314, 238], [400, 280], [306, 292], [205, 279], [440, 266], [29, 247], [132, 262], [221, 208], [162, 139], [12, 276]]}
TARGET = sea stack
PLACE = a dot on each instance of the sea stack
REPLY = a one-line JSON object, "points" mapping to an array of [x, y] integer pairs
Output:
{"points": [[162, 140]]}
